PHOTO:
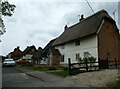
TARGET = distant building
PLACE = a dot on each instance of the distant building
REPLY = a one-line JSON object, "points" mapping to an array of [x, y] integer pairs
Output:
{"points": [[51, 56], [16, 54], [28, 52]]}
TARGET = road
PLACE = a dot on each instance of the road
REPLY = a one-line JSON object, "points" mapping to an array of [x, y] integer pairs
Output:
{"points": [[20, 77], [14, 78]]}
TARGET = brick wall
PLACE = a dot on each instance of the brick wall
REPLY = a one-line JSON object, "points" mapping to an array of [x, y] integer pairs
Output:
{"points": [[108, 43], [56, 60]]}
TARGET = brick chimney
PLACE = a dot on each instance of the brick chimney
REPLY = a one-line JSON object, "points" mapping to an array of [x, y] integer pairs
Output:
{"points": [[82, 17], [65, 27]]}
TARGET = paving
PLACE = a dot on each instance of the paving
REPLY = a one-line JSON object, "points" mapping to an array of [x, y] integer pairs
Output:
{"points": [[51, 80]]}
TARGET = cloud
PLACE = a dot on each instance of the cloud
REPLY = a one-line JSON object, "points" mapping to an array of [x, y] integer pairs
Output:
{"points": [[36, 22]]}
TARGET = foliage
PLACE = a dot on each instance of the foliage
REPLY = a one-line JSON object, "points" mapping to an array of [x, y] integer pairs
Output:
{"points": [[7, 8], [89, 59]]}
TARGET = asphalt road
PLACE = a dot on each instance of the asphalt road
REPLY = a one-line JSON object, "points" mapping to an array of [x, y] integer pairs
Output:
{"points": [[14, 78], [21, 77]]}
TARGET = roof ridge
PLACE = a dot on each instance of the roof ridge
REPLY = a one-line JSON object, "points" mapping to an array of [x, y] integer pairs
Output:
{"points": [[89, 17]]}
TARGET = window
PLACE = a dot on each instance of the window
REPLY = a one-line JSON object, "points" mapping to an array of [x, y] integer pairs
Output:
{"points": [[86, 54], [77, 42], [62, 58], [77, 56], [63, 46]]}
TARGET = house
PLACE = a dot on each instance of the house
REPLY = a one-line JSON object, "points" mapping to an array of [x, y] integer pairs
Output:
{"points": [[28, 52], [96, 35], [37, 56], [16, 54], [54, 57], [45, 53]]}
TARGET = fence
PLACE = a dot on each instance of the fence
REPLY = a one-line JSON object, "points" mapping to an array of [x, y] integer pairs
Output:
{"points": [[86, 66]]}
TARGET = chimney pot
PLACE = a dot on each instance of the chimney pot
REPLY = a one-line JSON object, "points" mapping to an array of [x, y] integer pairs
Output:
{"points": [[65, 27], [82, 17]]}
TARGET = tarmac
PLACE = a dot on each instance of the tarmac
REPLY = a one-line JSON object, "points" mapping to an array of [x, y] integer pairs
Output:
{"points": [[51, 80]]}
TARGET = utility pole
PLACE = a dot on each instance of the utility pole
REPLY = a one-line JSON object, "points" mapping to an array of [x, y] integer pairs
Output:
{"points": [[90, 6]]}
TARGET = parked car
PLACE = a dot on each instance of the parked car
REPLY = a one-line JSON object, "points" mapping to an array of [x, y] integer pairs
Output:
{"points": [[8, 62], [22, 61]]}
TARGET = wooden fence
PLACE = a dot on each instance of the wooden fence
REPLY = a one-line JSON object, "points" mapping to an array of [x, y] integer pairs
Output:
{"points": [[86, 66]]}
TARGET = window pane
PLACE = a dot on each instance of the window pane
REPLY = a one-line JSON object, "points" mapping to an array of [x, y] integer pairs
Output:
{"points": [[77, 42], [77, 56], [86, 54], [62, 58]]}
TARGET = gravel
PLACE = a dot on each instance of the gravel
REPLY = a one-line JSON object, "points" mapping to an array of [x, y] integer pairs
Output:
{"points": [[96, 78]]}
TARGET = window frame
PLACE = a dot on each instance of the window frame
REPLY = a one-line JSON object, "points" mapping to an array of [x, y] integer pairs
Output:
{"points": [[62, 59]]}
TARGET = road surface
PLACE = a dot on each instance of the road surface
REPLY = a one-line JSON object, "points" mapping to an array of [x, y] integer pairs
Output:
{"points": [[18, 77]]}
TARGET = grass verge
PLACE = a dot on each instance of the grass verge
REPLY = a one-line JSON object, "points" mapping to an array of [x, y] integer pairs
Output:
{"points": [[61, 73], [115, 83]]}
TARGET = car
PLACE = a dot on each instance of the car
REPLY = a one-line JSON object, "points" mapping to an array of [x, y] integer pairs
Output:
{"points": [[8, 62], [22, 61]]}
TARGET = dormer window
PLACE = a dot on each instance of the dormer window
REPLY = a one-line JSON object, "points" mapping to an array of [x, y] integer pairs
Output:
{"points": [[77, 42]]}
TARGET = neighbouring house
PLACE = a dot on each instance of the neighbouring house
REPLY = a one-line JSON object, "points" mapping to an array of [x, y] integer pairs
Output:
{"points": [[46, 54], [96, 35], [37, 56], [54, 57], [28, 52], [16, 54]]}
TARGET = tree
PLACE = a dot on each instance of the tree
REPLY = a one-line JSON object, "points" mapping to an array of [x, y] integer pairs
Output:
{"points": [[7, 8]]}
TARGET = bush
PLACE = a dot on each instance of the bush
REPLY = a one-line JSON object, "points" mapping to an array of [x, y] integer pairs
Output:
{"points": [[66, 69], [89, 59]]}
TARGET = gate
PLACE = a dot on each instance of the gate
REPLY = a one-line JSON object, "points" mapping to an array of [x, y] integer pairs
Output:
{"points": [[103, 64]]}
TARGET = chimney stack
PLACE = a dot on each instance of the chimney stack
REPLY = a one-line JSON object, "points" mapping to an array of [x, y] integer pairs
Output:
{"points": [[65, 27], [82, 17]]}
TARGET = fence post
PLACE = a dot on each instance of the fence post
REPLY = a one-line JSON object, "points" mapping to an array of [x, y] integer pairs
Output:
{"points": [[115, 62], [99, 63], [107, 63], [69, 66], [86, 65]]}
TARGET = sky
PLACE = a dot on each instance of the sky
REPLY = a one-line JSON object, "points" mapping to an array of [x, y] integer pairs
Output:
{"points": [[36, 22]]}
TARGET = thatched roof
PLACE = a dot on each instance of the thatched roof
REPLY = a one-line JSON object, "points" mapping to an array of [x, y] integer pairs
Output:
{"points": [[29, 50], [55, 51], [87, 26], [47, 47]]}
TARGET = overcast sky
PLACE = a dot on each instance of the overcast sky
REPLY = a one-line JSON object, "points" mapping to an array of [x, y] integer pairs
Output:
{"points": [[36, 22]]}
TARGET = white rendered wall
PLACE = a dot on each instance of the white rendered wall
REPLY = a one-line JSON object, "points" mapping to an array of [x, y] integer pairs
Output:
{"points": [[86, 45]]}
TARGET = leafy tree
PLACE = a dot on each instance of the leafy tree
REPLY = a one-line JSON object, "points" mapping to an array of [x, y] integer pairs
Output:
{"points": [[7, 8]]}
